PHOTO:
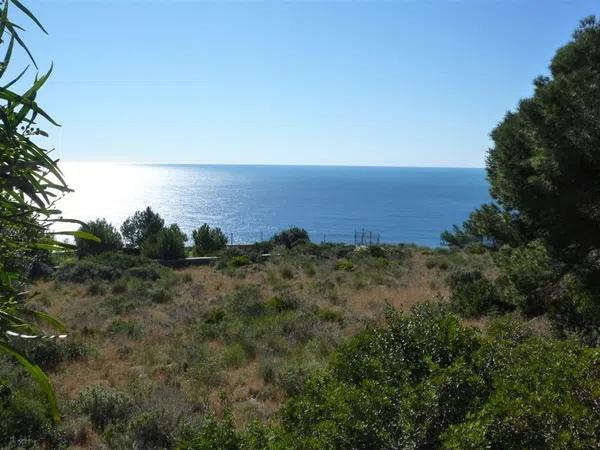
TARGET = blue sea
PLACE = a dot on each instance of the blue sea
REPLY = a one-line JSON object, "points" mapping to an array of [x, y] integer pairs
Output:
{"points": [[410, 205]]}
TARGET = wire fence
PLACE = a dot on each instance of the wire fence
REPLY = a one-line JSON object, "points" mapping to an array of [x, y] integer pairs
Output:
{"points": [[361, 237]]}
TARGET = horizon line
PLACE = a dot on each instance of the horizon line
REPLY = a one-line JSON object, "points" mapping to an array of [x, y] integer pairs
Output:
{"points": [[196, 163]]}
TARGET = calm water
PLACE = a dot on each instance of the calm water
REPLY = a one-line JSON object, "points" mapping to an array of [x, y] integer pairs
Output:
{"points": [[400, 204]]}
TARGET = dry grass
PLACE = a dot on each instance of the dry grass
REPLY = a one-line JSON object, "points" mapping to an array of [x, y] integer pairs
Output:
{"points": [[149, 355]]}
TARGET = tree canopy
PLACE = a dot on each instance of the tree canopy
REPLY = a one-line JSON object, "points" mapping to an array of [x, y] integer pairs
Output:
{"points": [[544, 174]]}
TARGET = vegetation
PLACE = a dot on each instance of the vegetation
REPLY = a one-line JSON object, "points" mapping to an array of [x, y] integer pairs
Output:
{"points": [[316, 346], [139, 227], [543, 176], [291, 237], [168, 243], [109, 237], [30, 183], [426, 381], [208, 240], [154, 353]]}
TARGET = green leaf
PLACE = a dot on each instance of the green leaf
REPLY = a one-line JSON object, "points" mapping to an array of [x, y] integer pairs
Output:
{"points": [[43, 317], [19, 5], [81, 235], [37, 374]]}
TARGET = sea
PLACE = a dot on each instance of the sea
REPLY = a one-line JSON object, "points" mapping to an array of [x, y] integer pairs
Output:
{"points": [[252, 202]]}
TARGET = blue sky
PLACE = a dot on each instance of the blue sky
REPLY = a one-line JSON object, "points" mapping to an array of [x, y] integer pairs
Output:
{"points": [[395, 83]]}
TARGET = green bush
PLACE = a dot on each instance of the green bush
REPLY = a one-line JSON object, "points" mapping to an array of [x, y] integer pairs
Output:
{"points": [[472, 294], [49, 353], [528, 276], [376, 251], [208, 240], [345, 265], [109, 266], [110, 239], [291, 237], [23, 416], [105, 406], [426, 381], [139, 227], [153, 430], [238, 261], [215, 435], [168, 243]]}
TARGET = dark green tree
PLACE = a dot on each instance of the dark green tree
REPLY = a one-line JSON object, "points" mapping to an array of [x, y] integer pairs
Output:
{"points": [[168, 243], [544, 166], [544, 174], [545, 163], [110, 239], [291, 237], [208, 240], [139, 227]]}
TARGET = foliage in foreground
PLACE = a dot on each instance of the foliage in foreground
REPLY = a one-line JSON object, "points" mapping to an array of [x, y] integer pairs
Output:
{"points": [[426, 381], [30, 183]]}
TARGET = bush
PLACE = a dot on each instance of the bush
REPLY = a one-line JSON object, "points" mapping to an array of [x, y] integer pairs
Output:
{"points": [[105, 406], [207, 240], [528, 277], [472, 294], [49, 353], [291, 237], [110, 239], [139, 227], [215, 435], [153, 430], [239, 261], [345, 265], [168, 243], [23, 415], [426, 381], [376, 251], [109, 266]]}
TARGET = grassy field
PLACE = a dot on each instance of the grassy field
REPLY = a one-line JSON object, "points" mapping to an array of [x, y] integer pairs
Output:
{"points": [[239, 336]]}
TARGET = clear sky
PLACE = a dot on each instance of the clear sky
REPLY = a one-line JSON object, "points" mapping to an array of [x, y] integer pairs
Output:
{"points": [[395, 83]]}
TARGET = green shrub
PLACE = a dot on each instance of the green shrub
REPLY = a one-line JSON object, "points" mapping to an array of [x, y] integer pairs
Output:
{"points": [[246, 301], [238, 261], [426, 381], [23, 416], [139, 227], [345, 265], [168, 243], [528, 276], [110, 239], [105, 406], [153, 430], [49, 353], [208, 240], [109, 266], [376, 251], [329, 315], [147, 272], [291, 237], [472, 294], [283, 302], [215, 435]]}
